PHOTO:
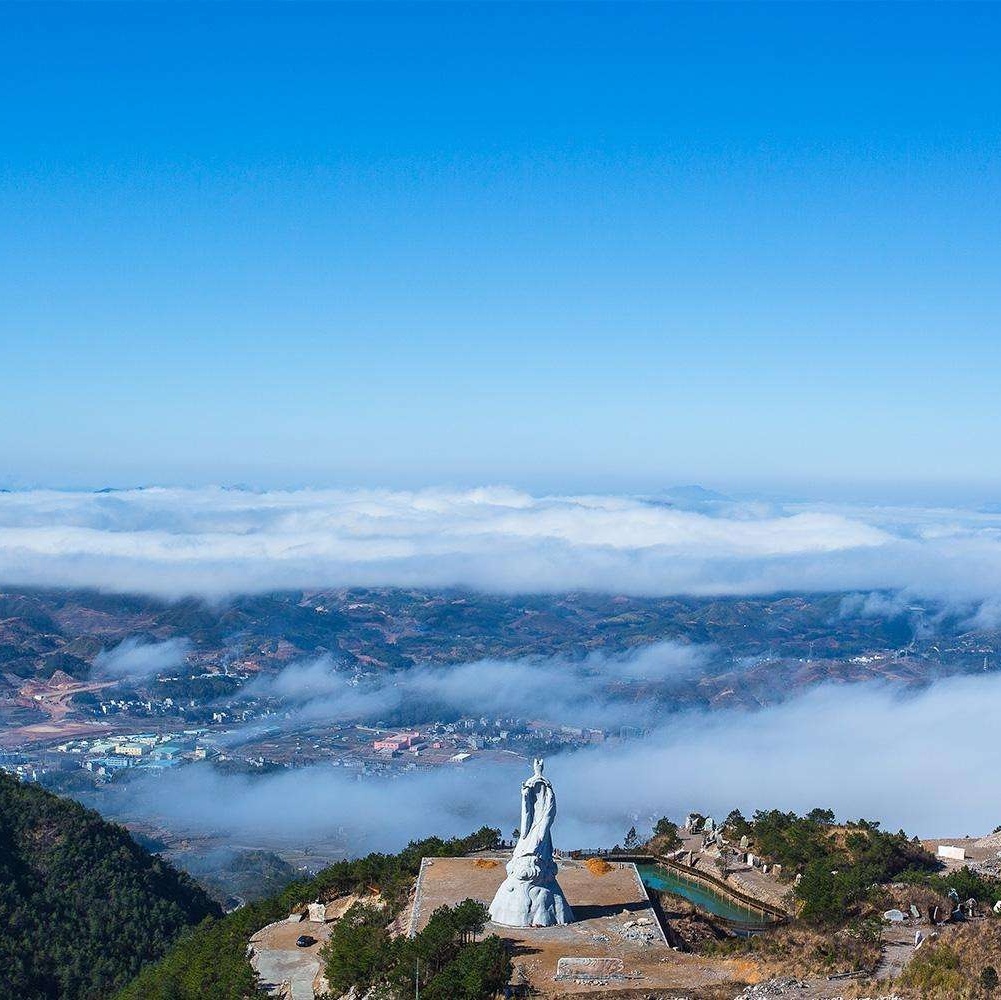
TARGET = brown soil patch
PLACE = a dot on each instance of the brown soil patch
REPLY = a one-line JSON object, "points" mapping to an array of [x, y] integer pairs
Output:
{"points": [[486, 863], [598, 866]]}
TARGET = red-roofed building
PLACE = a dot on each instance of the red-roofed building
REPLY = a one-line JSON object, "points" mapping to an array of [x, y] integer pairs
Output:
{"points": [[401, 741]]}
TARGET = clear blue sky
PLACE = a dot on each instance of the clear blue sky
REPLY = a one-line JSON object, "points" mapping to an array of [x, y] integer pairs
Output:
{"points": [[558, 246]]}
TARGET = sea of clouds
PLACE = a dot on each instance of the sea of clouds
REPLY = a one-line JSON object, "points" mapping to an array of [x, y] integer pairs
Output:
{"points": [[926, 761], [216, 542]]}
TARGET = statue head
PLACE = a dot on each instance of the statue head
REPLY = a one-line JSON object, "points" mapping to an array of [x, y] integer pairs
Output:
{"points": [[537, 766]]}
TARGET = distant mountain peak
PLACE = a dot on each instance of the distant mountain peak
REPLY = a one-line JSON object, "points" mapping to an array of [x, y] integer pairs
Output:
{"points": [[692, 492]]}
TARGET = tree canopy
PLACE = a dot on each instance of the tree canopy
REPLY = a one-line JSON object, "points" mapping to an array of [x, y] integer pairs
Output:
{"points": [[211, 960], [82, 906]]}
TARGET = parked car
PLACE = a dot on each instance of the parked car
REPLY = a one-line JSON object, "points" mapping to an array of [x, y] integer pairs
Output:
{"points": [[304, 941]]}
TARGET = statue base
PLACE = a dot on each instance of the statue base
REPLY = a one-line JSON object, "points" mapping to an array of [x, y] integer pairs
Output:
{"points": [[519, 903]]}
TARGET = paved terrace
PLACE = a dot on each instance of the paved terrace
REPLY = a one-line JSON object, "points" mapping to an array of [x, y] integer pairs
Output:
{"points": [[603, 905]]}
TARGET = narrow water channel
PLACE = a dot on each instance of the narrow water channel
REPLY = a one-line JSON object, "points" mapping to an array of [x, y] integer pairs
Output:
{"points": [[668, 880]]}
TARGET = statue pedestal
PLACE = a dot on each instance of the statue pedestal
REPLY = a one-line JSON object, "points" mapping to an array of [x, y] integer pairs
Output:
{"points": [[530, 904]]}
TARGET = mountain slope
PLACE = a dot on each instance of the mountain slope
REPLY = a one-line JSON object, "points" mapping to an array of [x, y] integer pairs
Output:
{"points": [[82, 906]]}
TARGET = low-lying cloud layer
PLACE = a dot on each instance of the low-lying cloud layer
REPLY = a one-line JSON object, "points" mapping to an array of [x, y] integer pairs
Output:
{"points": [[215, 542], [924, 761], [136, 659], [601, 690]]}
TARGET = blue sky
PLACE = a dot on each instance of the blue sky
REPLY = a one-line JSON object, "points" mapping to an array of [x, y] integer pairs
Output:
{"points": [[565, 247]]}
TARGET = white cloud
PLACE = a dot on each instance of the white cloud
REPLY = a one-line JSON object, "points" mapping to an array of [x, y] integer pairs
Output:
{"points": [[600, 690], [924, 761], [136, 659], [215, 542]]}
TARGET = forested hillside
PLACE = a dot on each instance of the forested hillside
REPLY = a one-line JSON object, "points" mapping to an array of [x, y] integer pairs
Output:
{"points": [[210, 962], [82, 906]]}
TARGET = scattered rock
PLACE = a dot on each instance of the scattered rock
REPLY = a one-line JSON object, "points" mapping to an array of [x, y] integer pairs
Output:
{"points": [[791, 987], [772, 988], [632, 931]]}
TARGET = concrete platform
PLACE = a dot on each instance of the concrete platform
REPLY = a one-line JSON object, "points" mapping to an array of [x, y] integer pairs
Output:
{"points": [[278, 959], [603, 905]]}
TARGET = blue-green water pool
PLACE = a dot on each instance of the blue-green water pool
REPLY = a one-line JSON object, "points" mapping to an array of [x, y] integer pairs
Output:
{"points": [[668, 880]]}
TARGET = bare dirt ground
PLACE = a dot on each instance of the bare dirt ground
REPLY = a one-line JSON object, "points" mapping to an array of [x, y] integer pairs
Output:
{"points": [[54, 732], [974, 850], [898, 950], [54, 695], [54, 698], [603, 904]]}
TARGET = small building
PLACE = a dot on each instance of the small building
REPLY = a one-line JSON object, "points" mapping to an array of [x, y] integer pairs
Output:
{"points": [[401, 741], [105, 765]]}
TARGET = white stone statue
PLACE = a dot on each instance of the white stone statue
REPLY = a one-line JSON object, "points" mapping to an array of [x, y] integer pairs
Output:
{"points": [[530, 895]]}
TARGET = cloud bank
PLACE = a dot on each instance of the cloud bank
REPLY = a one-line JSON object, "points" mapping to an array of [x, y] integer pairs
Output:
{"points": [[216, 542], [925, 762], [136, 659], [604, 690]]}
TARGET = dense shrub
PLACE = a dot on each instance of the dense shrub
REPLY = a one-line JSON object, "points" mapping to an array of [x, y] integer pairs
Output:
{"points": [[444, 960], [839, 865]]}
